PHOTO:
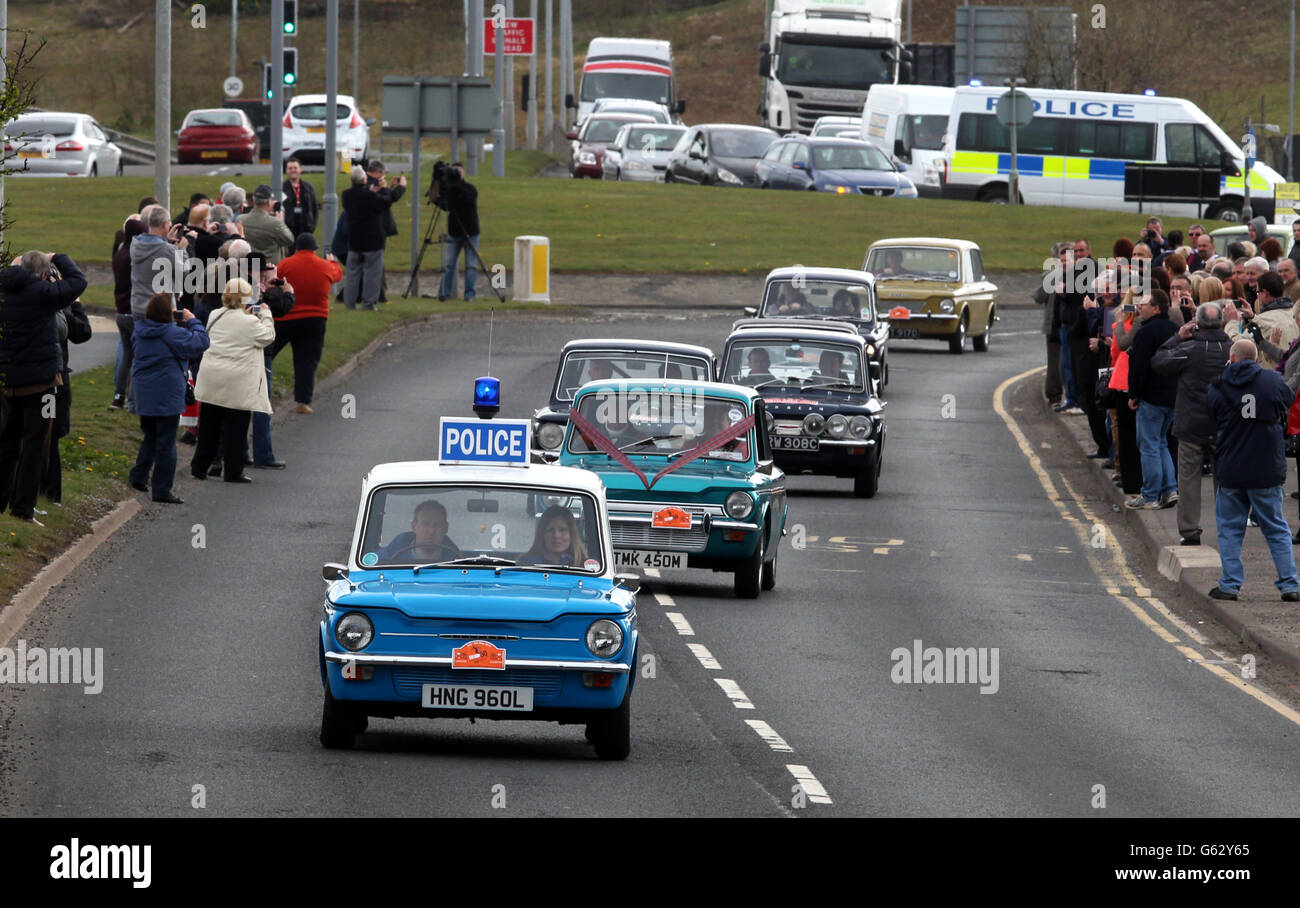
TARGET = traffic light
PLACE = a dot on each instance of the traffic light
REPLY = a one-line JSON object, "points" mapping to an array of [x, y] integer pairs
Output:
{"points": [[266, 81], [290, 65], [291, 17]]}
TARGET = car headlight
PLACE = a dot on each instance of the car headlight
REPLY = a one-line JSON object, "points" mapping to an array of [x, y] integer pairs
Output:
{"points": [[871, 349], [354, 631], [838, 190], [637, 164], [813, 424], [727, 176], [739, 505], [604, 638], [946, 305], [837, 425], [550, 435], [859, 427], [586, 157]]}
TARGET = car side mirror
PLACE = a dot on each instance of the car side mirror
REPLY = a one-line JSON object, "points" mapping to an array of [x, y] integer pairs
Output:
{"points": [[800, 165], [370, 121], [764, 65], [334, 571], [900, 151], [681, 106], [573, 136], [1227, 165], [630, 582], [568, 101], [751, 311]]}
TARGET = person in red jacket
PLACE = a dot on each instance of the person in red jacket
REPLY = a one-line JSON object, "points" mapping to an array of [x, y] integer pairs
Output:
{"points": [[303, 327]]}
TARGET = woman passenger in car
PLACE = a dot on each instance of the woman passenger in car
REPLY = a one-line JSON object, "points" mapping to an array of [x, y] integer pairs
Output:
{"points": [[556, 539], [843, 303]]}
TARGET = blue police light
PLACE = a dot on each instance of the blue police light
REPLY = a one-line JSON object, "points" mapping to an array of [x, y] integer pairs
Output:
{"points": [[487, 396], [975, 83], [1150, 92]]}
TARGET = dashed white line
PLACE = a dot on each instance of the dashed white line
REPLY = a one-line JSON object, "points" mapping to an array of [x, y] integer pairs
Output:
{"points": [[665, 600], [815, 791], [769, 735], [732, 690], [706, 658], [679, 621]]}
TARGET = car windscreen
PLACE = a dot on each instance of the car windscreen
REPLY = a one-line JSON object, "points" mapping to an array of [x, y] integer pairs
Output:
{"points": [[661, 422], [924, 131], [804, 364], [214, 118], [641, 86], [849, 157], [582, 366], [414, 525], [601, 130], [40, 126], [653, 138], [317, 111], [929, 263], [739, 143], [801, 297]]}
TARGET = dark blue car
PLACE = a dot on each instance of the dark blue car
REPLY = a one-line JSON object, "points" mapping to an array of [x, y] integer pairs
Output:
{"points": [[837, 165]]}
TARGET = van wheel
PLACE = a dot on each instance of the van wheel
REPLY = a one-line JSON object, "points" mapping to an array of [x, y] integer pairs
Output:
{"points": [[1229, 213], [994, 196]]}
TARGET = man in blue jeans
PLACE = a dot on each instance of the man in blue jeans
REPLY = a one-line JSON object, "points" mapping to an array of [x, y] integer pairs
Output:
{"points": [[1250, 408], [1153, 396], [461, 205]]}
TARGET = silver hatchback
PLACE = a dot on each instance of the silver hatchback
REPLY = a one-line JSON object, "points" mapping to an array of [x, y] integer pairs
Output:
{"points": [[60, 144], [639, 153]]}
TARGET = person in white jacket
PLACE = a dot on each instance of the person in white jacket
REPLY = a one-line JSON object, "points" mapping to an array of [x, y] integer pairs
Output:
{"points": [[232, 382]]}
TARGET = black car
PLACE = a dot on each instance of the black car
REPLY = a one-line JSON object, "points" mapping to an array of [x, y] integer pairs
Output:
{"points": [[718, 154], [822, 415], [600, 359]]}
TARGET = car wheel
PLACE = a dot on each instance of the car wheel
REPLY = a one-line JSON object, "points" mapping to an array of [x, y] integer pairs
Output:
{"points": [[884, 372], [866, 482], [769, 573], [94, 170], [339, 723], [118, 172], [957, 343], [749, 578], [668, 176], [981, 343], [611, 732]]}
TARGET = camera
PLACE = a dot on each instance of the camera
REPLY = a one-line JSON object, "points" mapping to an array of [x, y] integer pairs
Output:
{"points": [[52, 274], [444, 177], [178, 317]]}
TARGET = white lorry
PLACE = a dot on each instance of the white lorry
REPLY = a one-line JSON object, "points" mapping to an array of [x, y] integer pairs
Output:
{"points": [[821, 57]]}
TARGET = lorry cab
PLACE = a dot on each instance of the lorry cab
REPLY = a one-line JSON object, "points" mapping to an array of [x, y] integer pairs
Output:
{"points": [[628, 68]]}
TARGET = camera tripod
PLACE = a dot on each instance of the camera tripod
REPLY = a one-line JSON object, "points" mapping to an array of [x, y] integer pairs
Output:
{"points": [[470, 249]]}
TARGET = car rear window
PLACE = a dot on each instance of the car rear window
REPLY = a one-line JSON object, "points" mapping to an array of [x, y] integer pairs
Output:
{"points": [[650, 138], [317, 111], [599, 130], [214, 118], [39, 126], [740, 143]]}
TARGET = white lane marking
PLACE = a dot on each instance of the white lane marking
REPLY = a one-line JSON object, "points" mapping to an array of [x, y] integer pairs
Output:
{"points": [[706, 658], [732, 690], [665, 600], [769, 735], [679, 621], [815, 791]]}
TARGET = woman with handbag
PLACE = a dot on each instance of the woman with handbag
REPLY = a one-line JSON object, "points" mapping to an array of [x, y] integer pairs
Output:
{"points": [[163, 344], [232, 383]]}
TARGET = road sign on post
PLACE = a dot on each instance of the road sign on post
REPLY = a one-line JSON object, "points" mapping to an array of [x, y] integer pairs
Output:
{"points": [[233, 86], [519, 37], [1014, 110]]}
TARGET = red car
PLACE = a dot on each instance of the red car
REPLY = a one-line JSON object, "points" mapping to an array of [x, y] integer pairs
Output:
{"points": [[217, 134], [592, 138]]}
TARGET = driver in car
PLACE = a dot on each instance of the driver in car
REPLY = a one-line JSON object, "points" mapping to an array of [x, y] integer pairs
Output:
{"points": [[760, 366], [792, 303], [600, 370], [427, 541], [893, 263]]}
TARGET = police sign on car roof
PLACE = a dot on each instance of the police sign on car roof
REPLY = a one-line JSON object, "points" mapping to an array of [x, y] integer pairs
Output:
{"points": [[484, 441]]}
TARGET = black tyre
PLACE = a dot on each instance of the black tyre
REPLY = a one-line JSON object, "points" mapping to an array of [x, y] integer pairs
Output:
{"points": [[1229, 213], [769, 574], [866, 482], [611, 733], [749, 577], [668, 176], [957, 343], [94, 169], [339, 723], [995, 196], [118, 172], [981, 343]]}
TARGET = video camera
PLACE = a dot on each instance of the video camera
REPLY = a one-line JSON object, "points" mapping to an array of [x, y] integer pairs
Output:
{"points": [[445, 176]]}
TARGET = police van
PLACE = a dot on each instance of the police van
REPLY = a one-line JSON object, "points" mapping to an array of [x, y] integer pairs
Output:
{"points": [[908, 122], [1074, 151]]}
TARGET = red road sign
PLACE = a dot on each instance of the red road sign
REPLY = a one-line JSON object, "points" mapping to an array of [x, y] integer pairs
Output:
{"points": [[519, 37]]}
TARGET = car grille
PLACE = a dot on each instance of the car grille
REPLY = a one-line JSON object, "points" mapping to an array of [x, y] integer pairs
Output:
{"points": [[807, 112], [875, 190], [644, 536], [544, 682]]}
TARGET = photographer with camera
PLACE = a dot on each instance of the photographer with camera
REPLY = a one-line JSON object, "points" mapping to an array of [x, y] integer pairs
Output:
{"points": [[1269, 324], [264, 227], [449, 191], [365, 205], [32, 290], [1152, 236]]}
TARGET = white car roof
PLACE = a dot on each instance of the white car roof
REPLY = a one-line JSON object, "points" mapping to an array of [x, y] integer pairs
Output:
{"points": [[417, 472], [924, 241], [320, 99], [815, 273]]}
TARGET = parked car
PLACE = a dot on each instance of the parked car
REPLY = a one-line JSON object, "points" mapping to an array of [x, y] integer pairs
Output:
{"points": [[834, 125], [303, 135], [718, 154], [658, 112], [822, 415], [50, 144], [592, 359], [640, 153], [1283, 233], [829, 296], [591, 139], [688, 475], [441, 613], [217, 134], [840, 166], [934, 289]]}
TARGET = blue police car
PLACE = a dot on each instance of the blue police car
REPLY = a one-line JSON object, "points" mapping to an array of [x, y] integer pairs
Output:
{"points": [[480, 586]]}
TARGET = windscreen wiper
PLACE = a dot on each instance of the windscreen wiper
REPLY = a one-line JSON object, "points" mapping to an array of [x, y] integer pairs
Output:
{"points": [[477, 561]]}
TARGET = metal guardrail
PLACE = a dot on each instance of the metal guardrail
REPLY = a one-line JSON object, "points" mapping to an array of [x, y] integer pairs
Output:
{"points": [[134, 151]]}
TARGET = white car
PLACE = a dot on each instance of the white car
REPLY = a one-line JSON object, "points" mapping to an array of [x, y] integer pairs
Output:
{"points": [[303, 135], [657, 112], [50, 144], [836, 126]]}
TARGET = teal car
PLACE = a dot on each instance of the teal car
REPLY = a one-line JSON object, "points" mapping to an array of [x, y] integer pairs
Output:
{"points": [[689, 476]]}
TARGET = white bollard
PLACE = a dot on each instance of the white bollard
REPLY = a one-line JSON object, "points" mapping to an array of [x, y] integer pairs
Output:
{"points": [[533, 269]]}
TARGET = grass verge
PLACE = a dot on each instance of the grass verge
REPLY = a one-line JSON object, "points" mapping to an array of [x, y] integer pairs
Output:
{"points": [[101, 449]]}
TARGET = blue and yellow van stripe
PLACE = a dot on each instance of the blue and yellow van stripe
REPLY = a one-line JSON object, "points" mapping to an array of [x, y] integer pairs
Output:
{"points": [[992, 163]]}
